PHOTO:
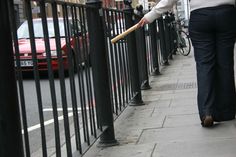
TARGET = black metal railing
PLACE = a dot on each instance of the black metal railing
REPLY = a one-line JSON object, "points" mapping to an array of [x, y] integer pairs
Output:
{"points": [[114, 24], [68, 100], [72, 81]]}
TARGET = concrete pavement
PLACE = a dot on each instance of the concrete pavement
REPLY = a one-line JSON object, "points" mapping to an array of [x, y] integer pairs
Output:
{"points": [[168, 124]]}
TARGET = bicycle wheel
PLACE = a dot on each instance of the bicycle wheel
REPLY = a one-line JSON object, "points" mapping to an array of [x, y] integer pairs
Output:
{"points": [[185, 43]]}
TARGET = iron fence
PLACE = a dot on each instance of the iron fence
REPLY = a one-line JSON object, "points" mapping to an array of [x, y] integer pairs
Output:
{"points": [[69, 97], [72, 82], [114, 24]]}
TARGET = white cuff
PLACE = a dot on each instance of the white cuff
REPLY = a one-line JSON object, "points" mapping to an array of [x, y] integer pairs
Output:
{"points": [[151, 16]]}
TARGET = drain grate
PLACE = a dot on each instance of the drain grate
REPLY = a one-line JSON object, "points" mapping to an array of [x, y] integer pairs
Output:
{"points": [[186, 85], [176, 86]]}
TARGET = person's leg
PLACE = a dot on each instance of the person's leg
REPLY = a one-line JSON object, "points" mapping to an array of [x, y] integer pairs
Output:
{"points": [[203, 40], [225, 87]]}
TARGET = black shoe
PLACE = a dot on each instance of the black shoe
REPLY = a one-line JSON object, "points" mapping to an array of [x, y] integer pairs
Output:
{"points": [[207, 121]]}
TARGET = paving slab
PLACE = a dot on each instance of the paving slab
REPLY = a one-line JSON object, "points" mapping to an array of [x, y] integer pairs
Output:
{"points": [[213, 148], [189, 133], [159, 104], [145, 150], [183, 102], [176, 96]]}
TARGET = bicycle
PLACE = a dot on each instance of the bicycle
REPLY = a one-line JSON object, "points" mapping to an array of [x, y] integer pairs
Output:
{"points": [[182, 43]]}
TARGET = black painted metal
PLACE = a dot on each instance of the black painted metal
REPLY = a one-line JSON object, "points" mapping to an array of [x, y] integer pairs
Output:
{"points": [[62, 79], [172, 34], [133, 59], [109, 23], [10, 129], [36, 76], [79, 69], [167, 34], [82, 75], [51, 79], [163, 44], [96, 89], [126, 74], [142, 56], [75, 61], [114, 23], [87, 75], [20, 80], [153, 35], [117, 61], [100, 72]]}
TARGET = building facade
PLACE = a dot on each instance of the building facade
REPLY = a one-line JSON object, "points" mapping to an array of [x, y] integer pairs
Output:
{"points": [[19, 11], [183, 10]]}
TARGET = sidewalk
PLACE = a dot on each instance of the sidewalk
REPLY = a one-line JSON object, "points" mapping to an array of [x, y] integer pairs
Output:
{"points": [[168, 124]]}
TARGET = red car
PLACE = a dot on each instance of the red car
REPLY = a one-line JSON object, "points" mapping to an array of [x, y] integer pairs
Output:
{"points": [[26, 61]]}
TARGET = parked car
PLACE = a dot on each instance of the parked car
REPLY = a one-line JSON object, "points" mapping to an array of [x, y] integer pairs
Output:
{"points": [[26, 61]]}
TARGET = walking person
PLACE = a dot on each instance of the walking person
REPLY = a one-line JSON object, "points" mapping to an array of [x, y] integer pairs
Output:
{"points": [[212, 29]]}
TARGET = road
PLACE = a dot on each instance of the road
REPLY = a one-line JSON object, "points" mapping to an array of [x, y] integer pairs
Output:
{"points": [[31, 104]]}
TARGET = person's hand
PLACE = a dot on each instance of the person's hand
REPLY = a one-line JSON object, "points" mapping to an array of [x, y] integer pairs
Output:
{"points": [[142, 22]]}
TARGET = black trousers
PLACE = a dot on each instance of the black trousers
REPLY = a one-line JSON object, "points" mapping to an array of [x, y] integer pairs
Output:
{"points": [[213, 32]]}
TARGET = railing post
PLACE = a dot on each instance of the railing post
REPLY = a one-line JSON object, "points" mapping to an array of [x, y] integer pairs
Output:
{"points": [[10, 129], [163, 41], [173, 36], [167, 37], [133, 59], [171, 19], [141, 50], [153, 34], [100, 72]]}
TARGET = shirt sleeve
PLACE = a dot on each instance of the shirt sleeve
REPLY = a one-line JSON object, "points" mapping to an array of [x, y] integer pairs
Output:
{"points": [[160, 8]]}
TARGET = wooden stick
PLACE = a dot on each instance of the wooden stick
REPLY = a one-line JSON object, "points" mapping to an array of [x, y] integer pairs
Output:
{"points": [[122, 35]]}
